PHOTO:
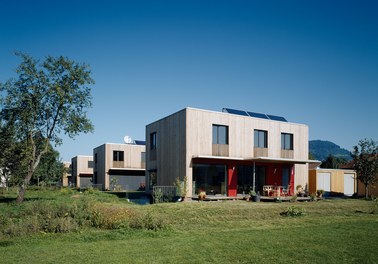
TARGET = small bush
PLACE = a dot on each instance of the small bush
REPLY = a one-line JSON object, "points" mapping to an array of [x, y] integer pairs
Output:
{"points": [[158, 195], [294, 211], [91, 190], [147, 222], [375, 204], [66, 190], [61, 225], [109, 217], [313, 196]]}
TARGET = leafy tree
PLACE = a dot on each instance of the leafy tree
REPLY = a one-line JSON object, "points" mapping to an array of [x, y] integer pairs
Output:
{"points": [[47, 99], [311, 156], [11, 155], [50, 169], [365, 156], [333, 162]]}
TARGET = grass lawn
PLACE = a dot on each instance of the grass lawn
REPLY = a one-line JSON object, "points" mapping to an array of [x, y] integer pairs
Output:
{"points": [[332, 231]]}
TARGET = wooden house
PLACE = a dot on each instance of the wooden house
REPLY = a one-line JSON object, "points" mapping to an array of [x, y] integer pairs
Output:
{"points": [[226, 153], [119, 166]]}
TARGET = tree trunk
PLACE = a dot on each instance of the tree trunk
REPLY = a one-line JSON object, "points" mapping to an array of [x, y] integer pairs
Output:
{"points": [[22, 190]]}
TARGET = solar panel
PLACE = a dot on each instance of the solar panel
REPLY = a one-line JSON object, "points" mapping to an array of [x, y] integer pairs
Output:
{"points": [[258, 115], [254, 114], [277, 118], [235, 112], [140, 142]]}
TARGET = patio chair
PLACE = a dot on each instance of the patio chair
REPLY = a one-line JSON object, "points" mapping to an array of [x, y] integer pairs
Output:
{"points": [[267, 190], [285, 191]]}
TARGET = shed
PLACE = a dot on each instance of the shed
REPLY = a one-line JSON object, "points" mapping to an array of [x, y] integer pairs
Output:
{"points": [[335, 182]]}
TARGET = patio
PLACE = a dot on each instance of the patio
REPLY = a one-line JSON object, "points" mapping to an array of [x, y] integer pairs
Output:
{"points": [[241, 197]]}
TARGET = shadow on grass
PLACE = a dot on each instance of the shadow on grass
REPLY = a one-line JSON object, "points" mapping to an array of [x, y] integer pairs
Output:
{"points": [[13, 199], [6, 243]]}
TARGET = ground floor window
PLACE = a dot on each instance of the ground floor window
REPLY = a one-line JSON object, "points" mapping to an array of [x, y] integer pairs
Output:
{"points": [[152, 179], [210, 178], [285, 176], [245, 178]]}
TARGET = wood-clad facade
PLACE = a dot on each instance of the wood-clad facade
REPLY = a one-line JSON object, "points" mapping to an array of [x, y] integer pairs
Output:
{"points": [[82, 171], [125, 163], [217, 152]]}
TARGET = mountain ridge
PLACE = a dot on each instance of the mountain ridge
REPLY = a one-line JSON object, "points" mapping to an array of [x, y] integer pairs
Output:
{"points": [[321, 149]]}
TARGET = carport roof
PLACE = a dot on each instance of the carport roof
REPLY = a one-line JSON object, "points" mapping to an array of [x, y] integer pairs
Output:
{"points": [[312, 163]]}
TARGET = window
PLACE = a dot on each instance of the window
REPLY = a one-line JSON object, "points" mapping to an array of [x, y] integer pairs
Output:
{"points": [[220, 134], [286, 141], [261, 138], [95, 158], [153, 141], [210, 178], [117, 155]]}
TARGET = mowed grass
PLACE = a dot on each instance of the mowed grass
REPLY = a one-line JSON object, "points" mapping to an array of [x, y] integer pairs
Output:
{"points": [[333, 231]]}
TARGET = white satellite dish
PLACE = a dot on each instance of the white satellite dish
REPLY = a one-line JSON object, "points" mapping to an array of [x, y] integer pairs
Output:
{"points": [[128, 140]]}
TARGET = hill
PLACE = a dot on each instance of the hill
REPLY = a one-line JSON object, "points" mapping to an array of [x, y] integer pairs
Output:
{"points": [[321, 149]]}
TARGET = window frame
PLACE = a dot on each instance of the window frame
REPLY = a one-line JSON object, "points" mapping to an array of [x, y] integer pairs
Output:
{"points": [[216, 134], [153, 140], [287, 141], [257, 140], [118, 155]]}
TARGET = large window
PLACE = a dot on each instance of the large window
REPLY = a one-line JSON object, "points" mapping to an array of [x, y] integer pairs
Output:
{"points": [[153, 140], [118, 155], [245, 179], [286, 141], [209, 178], [220, 134], [261, 138]]}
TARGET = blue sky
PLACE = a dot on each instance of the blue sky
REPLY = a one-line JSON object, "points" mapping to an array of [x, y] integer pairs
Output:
{"points": [[313, 62]]}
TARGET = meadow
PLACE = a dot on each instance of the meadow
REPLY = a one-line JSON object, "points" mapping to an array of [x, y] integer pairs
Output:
{"points": [[66, 226]]}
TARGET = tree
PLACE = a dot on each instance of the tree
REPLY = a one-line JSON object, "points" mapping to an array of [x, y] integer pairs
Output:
{"points": [[333, 162], [365, 157], [11, 155], [50, 169], [47, 99]]}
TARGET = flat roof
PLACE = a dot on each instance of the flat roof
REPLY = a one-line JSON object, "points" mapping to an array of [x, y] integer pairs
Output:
{"points": [[131, 169], [217, 112], [261, 159]]}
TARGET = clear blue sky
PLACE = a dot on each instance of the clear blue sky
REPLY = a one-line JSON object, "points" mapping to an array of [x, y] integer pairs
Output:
{"points": [[313, 62]]}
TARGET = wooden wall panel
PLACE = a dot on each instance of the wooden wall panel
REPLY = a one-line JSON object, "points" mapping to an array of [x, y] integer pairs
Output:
{"points": [[171, 148]]}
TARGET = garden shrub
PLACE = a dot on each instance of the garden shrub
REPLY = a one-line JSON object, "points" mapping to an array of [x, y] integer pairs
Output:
{"points": [[147, 222], [294, 211]]}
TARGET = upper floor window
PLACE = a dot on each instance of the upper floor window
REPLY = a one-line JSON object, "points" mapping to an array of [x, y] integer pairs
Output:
{"points": [[220, 134], [261, 138], [153, 140], [287, 141], [118, 155]]}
